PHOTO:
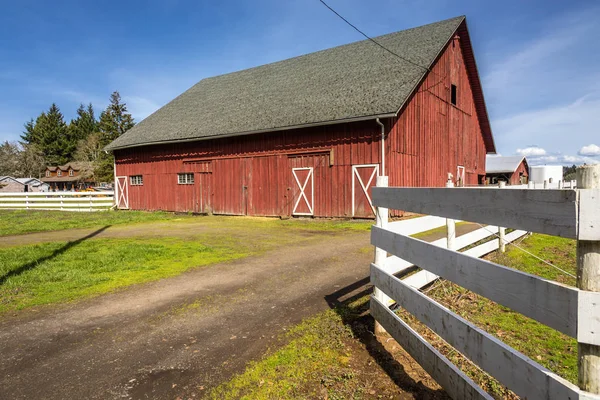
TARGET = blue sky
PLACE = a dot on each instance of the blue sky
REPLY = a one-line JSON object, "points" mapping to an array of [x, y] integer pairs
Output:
{"points": [[538, 60]]}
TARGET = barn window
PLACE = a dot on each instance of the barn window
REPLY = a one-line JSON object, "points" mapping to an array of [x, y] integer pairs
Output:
{"points": [[185, 179], [70, 172], [59, 173], [136, 180], [47, 173], [453, 94]]}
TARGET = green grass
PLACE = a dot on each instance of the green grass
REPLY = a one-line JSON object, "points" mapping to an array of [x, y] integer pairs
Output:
{"points": [[16, 222], [29, 221], [58, 271], [315, 363], [544, 345]]}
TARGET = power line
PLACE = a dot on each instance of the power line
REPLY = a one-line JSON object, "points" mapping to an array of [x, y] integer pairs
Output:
{"points": [[373, 40]]}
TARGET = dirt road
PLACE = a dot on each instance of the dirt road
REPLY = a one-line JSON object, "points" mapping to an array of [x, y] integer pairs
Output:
{"points": [[179, 336]]}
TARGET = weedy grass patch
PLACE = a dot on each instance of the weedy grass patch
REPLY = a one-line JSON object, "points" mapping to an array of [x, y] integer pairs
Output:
{"points": [[63, 271]]}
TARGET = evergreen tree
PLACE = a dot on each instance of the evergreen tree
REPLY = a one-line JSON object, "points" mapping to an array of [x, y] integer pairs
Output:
{"points": [[55, 141], [30, 135], [114, 121], [84, 125]]}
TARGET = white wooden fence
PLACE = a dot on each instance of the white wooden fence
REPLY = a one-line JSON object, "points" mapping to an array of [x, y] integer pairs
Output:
{"points": [[567, 213], [64, 201]]}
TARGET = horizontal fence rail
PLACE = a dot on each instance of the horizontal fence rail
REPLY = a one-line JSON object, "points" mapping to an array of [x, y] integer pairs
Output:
{"points": [[525, 377], [63, 201], [553, 212], [548, 302], [572, 311]]}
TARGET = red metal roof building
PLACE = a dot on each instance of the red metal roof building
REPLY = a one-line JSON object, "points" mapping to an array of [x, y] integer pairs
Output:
{"points": [[301, 136]]}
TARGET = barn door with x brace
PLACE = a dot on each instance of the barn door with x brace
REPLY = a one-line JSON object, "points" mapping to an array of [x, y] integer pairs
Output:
{"points": [[122, 193], [365, 176], [304, 178]]}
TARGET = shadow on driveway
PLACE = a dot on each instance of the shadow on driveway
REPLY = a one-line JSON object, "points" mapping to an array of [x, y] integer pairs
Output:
{"points": [[33, 264], [363, 326]]}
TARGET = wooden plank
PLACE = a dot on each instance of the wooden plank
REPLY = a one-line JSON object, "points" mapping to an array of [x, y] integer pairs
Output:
{"points": [[55, 200], [452, 379], [545, 301], [513, 369], [56, 205], [553, 212], [394, 265], [589, 214], [416, 225], [51, 194], [588, 320]]}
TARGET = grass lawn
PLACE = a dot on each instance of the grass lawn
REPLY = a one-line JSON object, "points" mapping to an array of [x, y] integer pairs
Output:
{"points": [[544, 345], [16, 222], [323, 358], [62, 271], [59, 271]]}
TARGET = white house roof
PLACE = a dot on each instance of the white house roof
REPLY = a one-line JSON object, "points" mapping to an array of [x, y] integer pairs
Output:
{"points": [[499, 164], [23, 181]]}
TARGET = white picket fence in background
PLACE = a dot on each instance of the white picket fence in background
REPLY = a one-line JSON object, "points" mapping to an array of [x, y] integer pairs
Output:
{"points": [[63, 201], [574, 312]]}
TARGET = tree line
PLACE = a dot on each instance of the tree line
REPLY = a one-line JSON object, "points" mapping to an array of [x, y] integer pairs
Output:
{"points": [[49, 140]]}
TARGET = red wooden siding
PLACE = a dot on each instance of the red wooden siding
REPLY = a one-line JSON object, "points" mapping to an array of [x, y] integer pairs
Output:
{"points": [[254, 174], [432, 137], [522, 170]]}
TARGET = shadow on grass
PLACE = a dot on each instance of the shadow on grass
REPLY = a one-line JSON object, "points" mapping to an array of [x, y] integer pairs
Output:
{"points": [[363, 326], [33, 264]]}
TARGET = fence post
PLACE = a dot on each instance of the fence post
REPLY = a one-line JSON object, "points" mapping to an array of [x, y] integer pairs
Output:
{"points": [[61, 202], [545, 184], [501, 231], [450, 225], [588, 278], [380, 254], [530, 185], [27, 202]]}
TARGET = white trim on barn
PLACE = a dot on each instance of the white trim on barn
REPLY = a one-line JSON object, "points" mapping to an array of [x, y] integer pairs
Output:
{"points": [[302, 188]]}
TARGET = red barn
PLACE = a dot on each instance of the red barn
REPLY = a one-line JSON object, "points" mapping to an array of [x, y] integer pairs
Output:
{"points": [[512, 170], [308, 135]]}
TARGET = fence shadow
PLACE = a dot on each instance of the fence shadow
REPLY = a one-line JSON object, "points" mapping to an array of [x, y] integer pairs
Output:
{"points": [[33, 264], [363, 325]]}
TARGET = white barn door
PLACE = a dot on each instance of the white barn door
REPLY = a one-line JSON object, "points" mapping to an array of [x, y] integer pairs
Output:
{"points": [[122, 193]]}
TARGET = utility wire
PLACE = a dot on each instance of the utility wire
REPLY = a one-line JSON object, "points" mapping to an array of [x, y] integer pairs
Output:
{"points": [[373, 40], [531, 254]]}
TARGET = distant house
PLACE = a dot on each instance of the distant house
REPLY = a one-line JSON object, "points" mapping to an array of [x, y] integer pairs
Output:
{"points": [[512, 170], [71, 176], [10, 184]]}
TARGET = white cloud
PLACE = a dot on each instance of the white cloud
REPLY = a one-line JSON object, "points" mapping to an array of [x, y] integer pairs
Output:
{"points": [[531, 151], [560, 159], [590, 150]]}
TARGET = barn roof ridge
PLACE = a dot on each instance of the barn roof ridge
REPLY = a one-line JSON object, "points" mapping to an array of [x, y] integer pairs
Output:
{"points": [[350, 82]]}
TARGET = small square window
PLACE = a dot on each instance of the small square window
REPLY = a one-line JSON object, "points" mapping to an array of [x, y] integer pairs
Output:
{"points": [[136, 180], [453, 95], [70, 172], [59, 173], [185, 179]]}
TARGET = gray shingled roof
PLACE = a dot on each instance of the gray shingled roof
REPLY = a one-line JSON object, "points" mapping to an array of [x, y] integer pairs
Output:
{"points": [[499, 164], [348, 82]]}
